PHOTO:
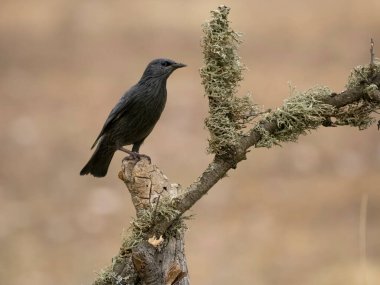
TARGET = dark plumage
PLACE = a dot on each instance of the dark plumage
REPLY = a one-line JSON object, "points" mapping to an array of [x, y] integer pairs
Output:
{"points": [[133, 117]]}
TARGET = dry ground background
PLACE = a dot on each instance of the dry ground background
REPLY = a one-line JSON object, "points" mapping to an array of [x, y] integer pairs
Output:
{"points": [[287, 215]]}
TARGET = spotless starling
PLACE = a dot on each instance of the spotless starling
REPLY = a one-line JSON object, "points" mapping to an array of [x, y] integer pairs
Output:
{"points": [[133, 118]]}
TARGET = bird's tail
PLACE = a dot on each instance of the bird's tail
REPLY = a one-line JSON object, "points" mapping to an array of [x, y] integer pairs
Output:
{"points": [[99, 161]]}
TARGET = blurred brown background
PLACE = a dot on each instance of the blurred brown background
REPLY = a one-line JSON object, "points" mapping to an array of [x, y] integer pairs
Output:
{"points": [[287, 215]]}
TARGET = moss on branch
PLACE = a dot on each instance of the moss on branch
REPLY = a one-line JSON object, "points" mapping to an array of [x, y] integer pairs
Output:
{"points": [[301, 113], [221, 75]]}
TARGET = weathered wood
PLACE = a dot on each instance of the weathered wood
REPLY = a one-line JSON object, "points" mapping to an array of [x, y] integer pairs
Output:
{"points": [[154, 259], [158, 260]]}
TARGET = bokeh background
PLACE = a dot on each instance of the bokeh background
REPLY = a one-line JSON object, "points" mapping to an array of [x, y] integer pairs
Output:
{"points": [[287, 215]]}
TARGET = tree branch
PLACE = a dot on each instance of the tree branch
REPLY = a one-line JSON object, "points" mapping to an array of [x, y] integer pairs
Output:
{"points": [[219, 167]]}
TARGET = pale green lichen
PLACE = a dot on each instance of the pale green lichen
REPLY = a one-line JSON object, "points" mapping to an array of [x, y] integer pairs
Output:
{"points": [[164, 211], [301, 113], [306, 111], [362, 75], [107, 276], [221, 75], [371, 90], [359, 114]]}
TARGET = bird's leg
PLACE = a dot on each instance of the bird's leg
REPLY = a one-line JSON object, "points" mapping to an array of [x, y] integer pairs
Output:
{"points": [[133, 155]]}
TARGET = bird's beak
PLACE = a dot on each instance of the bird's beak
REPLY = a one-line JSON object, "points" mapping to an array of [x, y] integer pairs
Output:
{"points": [[178, 65]]}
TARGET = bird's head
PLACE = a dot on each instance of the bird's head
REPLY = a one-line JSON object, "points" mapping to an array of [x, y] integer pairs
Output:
{"points": [[161, 67]]}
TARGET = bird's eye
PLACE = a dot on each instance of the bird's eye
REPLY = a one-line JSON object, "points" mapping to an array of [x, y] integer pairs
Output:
{"points": [[165, 63]]}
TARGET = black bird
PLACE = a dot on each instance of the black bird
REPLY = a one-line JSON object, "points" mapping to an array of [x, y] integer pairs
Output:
{"points": [[133, 117]]}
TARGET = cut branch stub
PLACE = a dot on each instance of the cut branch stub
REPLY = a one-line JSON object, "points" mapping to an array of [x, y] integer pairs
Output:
{"points": [[146, 183], [156, 259]]}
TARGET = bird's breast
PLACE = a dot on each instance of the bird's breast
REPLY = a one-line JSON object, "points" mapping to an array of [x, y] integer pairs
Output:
{"points": [[141, 118]]}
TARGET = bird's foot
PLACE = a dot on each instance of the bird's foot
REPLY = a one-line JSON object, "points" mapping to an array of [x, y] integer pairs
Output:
{"points": [[134, 155]]}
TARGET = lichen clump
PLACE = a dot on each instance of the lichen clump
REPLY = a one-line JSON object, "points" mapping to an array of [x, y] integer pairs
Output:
{"points": [[301, 113], [221, 75], [306, 111], [362, 75], [357, 114], [360, 113], [141, 225]]}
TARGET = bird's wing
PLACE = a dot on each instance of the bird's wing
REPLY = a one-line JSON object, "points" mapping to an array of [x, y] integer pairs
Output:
{"points": [[125, 103]]}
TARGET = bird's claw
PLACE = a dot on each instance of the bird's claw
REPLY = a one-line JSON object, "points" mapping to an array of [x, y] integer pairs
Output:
{"points": [[145, 156], [137, 156]]}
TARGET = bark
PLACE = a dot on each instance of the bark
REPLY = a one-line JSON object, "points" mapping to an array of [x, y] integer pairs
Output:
{"points": [[155, 259]]}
